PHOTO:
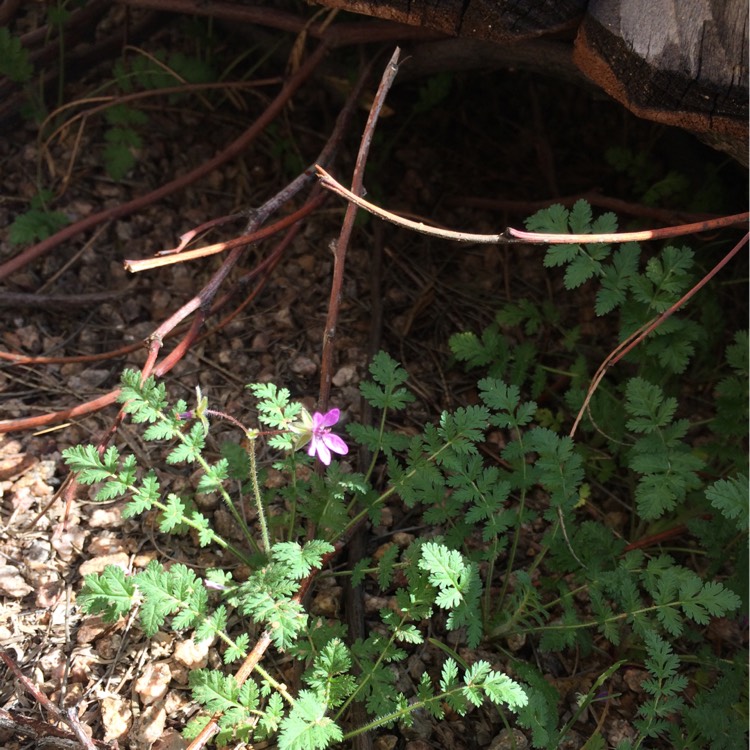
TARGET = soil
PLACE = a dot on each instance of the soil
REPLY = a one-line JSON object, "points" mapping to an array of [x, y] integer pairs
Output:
{"points": [[508, 138]]}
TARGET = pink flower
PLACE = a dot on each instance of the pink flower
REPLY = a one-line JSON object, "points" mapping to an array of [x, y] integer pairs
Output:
{"points": [[322, 440]]}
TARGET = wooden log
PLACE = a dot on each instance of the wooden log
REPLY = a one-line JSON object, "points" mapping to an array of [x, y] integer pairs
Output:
{"points": [[493, 20], [678, 62]]}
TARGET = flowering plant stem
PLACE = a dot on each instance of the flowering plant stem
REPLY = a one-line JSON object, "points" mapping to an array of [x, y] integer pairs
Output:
{"points": [[256, 494]]}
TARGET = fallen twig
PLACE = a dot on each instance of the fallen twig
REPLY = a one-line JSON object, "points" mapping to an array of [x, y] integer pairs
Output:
{"points": [[339, 255], [637, 336], [514, 236]]}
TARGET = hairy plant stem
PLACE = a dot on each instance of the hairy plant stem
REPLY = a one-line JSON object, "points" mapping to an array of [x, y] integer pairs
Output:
{"points": [[220, 541], [258, 497]]}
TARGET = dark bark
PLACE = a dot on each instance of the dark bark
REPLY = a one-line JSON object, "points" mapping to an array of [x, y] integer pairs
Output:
{"points": [[493, 20], [673, 61]]}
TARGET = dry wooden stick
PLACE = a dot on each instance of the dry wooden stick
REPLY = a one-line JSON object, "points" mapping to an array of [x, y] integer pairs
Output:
{"points": [[69, 717], [339, 258], [230, 152], [637, 336]]}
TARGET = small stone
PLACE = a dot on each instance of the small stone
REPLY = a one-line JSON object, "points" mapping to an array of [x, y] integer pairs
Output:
{"points": [[97, 564], [12, 583], [326, 604], [510, 739], [303, 366], [385, 742], [116, 717], [150, 726], [344, 375], [191, 654], [153, 683]]}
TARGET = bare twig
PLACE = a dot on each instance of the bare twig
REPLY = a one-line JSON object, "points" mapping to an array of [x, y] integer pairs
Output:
{"points": [[593, 196], [168, 258], [230, 152], [635, 338], [339, 260], [339, 34], [62, 301], [69, 717]]}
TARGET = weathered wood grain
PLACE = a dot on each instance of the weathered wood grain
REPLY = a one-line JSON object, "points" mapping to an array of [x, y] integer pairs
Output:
{"points": [[493, 20], [679, 62]]}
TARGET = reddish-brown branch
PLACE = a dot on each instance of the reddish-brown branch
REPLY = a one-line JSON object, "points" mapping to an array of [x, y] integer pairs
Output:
{"points": [[339, 258], [204, 298], [637, 336], [230, 152], [340, 34], [526, 208]]}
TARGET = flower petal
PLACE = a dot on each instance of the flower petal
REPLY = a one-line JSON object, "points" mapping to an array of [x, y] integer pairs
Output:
{"points": [[336, 444], [323, 453], [329, 418]]}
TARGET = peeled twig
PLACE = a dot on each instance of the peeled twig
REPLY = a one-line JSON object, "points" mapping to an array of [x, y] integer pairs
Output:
{"points": [[512, 236], [168, 258]]}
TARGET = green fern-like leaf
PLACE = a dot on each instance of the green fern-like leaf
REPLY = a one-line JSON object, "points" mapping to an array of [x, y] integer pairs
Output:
{"points": [[458, 587], [14, 58], [168, 591], [110, 593], [385, 392], [299, 561], [731, 497], [307, 727], [39, 222], [616, 278]]}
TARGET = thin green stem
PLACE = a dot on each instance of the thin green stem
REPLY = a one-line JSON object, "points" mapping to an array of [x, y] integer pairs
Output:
{"points": [[293, 504], [224, 494], [517, 532], [370, 671], [394, 716], [215, 538], [361, 515], [376, 453], [279, 687]]}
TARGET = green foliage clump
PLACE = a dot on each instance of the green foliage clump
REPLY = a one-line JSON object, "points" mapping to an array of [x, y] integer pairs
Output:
{"points": [[469, 571], [38, 223], [14, 59]]}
